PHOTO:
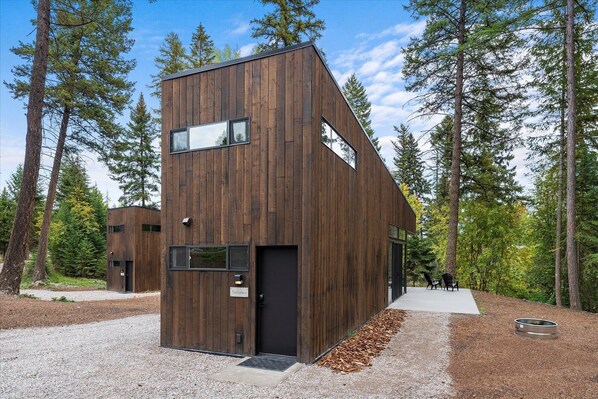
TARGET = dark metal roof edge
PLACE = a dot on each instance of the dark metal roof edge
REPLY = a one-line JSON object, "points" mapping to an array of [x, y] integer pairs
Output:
{"points": [[241, 60], [132, 206]]}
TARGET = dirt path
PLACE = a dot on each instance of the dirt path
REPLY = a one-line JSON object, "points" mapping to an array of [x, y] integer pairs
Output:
{"points": [[24, 312], [489, 361]]}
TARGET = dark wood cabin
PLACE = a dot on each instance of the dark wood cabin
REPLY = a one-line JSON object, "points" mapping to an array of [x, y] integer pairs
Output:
{"points": [[133, 249], [283, 229]]}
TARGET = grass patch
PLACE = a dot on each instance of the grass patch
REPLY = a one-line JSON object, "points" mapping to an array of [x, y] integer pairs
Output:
{"points": [[57, 280], [30, 296], [62, 299]]}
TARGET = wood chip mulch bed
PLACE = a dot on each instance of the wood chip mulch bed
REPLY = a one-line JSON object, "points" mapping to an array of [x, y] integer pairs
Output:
{"points": [[358, 351]]}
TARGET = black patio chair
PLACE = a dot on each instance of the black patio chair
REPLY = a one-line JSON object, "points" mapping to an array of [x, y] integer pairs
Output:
{"points": [[449, 281], [431, 283]]}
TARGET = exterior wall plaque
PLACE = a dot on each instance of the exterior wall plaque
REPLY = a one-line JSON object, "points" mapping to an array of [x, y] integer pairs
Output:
{"points": [[239, 292]]}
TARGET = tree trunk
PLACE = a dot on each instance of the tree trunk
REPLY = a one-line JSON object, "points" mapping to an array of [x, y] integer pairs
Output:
{"points": [[451, 245], [572, 266], [559, 209], [16, 254], [39, 273]]}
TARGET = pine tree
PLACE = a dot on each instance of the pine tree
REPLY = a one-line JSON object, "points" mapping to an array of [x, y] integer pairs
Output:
{"points": [[441, 143], [226, 54], [202, 50], [89, 85], [16, 253], [462, 42], [172, 59], [358, 99], [7, 215], [407, 162], [77, 241], [291, 22], [134, 163], [549, 82]]}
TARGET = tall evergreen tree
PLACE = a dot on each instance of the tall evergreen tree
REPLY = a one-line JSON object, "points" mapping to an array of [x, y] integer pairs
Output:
{"points": [[173, 58], [549, 82], [133, 162], [462, 42], [202, 50], [16, 253], [77, 240], [407, 162], [7, 215], [358, 99], [227, 53], [291, 22], [441, 148], [89, 85]]}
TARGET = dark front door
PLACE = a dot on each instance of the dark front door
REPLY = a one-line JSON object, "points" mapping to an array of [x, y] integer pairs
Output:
{"points": [[397, 270], [129, 276], [277, 300]]}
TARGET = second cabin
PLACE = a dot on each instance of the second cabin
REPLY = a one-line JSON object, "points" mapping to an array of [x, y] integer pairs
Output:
{"points": [[133, 249], [283, 230]]}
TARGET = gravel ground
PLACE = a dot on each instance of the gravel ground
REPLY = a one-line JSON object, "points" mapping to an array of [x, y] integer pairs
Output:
{"points": [[77, 296], [122, 359]]}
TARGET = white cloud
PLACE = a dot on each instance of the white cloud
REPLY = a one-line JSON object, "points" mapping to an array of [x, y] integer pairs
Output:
{"points": [[240, 29], [247, 49]]}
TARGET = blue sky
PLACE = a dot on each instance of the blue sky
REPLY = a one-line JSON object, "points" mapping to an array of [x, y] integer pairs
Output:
{"points": [[364, 37]]}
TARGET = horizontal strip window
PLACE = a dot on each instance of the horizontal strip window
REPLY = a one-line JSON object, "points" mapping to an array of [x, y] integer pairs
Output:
{"points": [[120, 228], [211, 135], [209, 257], [336, 142], [151, 227], [116, 263], [396, 233]]}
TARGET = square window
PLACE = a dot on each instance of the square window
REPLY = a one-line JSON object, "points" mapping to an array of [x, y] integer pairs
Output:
{"points": [[207, 258], [178, 257], [178, 140], [239, 131], [238, 257]]}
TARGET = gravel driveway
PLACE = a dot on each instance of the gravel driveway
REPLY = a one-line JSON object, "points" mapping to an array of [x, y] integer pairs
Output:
{"points": [[122, 359], [92, 295]]}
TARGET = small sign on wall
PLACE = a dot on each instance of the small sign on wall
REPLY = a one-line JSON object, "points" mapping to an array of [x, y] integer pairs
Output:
{"points": [[239, 292]]}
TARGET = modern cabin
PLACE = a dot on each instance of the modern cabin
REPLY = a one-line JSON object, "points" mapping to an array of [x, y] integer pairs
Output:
{"points": [[283, 230], [133, 249]]}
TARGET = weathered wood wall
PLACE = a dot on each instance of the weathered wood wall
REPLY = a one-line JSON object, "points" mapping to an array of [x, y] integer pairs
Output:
{"points": [[283, 188], [140, 247]]}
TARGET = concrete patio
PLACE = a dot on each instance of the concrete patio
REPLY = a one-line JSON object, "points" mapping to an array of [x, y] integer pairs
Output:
{"points": [[421, 299]]}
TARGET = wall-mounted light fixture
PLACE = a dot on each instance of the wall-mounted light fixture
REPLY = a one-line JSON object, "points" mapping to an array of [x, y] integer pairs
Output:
{"points": [[238, 279], [187, 221]]}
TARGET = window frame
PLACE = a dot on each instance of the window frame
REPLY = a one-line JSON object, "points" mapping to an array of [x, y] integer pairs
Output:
{"points": [[151, 228], [188, 257], [111, 228], [344, 141], [229, 130]]}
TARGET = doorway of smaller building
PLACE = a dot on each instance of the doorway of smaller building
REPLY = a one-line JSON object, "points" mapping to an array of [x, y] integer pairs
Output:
{"points": [[128, 276], [277, 300]]}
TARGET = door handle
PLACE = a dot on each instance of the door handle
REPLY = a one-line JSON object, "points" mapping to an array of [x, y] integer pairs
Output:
{"points": [[260, 299]]}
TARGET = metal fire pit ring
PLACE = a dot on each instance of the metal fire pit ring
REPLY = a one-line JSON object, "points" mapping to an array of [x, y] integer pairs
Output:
{"points": [[536, 328]]}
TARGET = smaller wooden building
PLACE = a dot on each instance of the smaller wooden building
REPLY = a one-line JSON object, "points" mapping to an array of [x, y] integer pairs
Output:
{"points": [[133, 249]]}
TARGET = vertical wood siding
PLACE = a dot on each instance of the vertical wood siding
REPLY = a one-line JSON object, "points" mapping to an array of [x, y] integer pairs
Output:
{"points": [[283, 188], [140, 247]]}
